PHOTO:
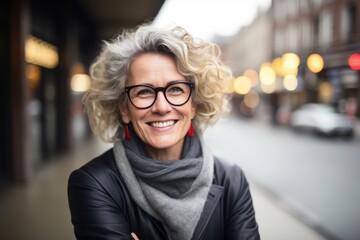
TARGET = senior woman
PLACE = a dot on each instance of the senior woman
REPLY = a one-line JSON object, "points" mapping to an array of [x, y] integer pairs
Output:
{"points": [[153, 93]]}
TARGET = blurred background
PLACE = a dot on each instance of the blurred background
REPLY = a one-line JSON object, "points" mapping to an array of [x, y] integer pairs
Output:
{"points": [[294, 126]]}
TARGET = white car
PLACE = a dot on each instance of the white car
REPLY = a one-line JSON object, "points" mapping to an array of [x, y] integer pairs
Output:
{"points": [[322, 119]]}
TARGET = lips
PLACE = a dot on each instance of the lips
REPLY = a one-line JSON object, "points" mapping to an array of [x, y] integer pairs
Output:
{"points": [[162, 124]]}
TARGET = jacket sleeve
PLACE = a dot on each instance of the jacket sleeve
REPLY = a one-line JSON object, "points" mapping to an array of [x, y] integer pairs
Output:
{"points": [[240, 222], [94, 214]]}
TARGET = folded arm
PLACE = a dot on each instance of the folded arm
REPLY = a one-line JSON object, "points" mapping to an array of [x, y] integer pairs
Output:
{"points": [[94, 214]]}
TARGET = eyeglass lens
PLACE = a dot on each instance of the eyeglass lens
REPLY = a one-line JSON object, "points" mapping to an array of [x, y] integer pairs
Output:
{"points": [[142, 96]]}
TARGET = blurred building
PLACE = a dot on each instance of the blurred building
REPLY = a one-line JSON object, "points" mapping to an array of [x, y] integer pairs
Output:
{"points": [[328, 28], [278, 45], [45, 50], [246, 52], [252, 45]]}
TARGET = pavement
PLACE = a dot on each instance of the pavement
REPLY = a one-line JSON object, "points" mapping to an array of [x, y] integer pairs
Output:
{"points": [[39, 210], [275, 221]]}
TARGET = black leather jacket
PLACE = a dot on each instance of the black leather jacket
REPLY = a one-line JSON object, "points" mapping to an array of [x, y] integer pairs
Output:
{"points": [[102, 208]]}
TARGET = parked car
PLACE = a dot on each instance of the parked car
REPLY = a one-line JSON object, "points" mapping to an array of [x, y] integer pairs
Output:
{"points": [[322, 119]]}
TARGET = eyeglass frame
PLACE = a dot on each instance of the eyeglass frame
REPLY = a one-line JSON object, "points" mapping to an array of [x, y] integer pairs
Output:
{"points": [[159, 89]]}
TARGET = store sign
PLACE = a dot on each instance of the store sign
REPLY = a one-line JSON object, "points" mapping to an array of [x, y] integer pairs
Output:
{"points": [[41, 53]]}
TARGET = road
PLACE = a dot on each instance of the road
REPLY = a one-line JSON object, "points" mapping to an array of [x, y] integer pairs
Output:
{"points": [[316, 179]]}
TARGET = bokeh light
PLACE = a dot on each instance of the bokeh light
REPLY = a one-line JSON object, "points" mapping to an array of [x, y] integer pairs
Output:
{"points": [[268, 88], [290, 60], [290, 63], [80, 82], [242, 85], [277, 66], [290, 82], [325, 92], [267, 74], [252, 99], [315, 63], [253, 76], [354, 61]]}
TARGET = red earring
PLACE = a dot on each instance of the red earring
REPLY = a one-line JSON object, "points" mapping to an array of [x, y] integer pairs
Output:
{"points": [[127, 133], [191, 131]]}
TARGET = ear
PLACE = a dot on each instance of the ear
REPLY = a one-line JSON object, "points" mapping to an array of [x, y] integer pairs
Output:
{"points": [[124, 111]]}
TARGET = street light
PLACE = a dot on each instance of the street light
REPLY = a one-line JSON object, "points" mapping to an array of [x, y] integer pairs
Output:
{"points": [[315, 63], [290, 63]]}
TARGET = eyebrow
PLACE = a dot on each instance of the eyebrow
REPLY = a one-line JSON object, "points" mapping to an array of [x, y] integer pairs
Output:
{"points": [[169, 83]]}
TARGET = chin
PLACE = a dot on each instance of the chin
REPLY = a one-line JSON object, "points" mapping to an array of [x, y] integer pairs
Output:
{"points": [[164, 142]]}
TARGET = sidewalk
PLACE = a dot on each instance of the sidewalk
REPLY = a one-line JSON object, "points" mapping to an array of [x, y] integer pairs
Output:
{"points": [[40, 210], [274, 222]]}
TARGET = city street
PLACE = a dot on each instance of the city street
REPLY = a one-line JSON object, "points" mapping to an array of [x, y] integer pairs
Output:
{"points": [[314, 178]]}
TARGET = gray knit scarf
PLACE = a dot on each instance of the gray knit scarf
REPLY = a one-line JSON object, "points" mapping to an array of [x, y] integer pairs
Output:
{"points": [[172, 191]]}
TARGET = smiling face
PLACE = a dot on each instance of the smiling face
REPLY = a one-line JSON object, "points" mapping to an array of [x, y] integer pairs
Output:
{"points": [[162, 127]]}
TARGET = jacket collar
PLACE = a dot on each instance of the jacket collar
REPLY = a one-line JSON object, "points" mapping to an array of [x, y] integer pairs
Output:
{"points": [[213, 198]]}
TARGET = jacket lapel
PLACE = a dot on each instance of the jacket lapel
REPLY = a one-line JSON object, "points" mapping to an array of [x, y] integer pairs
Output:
{"points": [[213, 197]]}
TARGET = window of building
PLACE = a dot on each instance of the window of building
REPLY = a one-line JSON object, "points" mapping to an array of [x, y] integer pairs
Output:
{"points": [[306, 36], [348, 23], [292, 8], [325, 28], [317, 3], [304, 6], [292, 38], [279, 11], [279, 42]]}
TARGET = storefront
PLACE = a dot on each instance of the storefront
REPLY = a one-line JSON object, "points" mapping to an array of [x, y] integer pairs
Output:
{"points": [[40, 45]]}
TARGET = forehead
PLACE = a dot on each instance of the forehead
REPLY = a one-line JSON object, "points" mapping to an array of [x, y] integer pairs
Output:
{"points": [[154, 69]]}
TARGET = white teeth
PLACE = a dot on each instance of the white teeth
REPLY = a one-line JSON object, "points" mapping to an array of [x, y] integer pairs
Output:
{"points": [[162, 124]]}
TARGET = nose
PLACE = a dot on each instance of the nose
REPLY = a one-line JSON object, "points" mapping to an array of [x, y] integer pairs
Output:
{"points": [[161, 105]]}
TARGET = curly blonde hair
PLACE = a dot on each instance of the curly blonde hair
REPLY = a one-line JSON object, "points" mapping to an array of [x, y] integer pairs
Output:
{"points": [[198, 60]]}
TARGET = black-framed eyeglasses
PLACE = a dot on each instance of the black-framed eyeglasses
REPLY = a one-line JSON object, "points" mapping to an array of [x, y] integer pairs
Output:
{"points": [[144, 96]]}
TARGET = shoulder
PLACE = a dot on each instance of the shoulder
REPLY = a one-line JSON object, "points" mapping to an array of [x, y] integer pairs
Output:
{"points": [[225, 170], [99, 163], [229, 175], [99, 179], [99, 170]]}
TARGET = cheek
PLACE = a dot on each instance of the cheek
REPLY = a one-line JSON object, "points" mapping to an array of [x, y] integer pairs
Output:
{"points": [[136, 116]]}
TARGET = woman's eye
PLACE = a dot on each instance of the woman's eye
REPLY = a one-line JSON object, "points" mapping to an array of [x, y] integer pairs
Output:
{"points": [[144, 93], [176, 90]]}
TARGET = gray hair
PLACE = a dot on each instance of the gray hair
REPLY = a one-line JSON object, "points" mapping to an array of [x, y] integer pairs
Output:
{"points": [[198, 60]]}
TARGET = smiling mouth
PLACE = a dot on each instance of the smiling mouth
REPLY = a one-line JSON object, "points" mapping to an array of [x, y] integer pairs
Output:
{"points": [[162, 124]]}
